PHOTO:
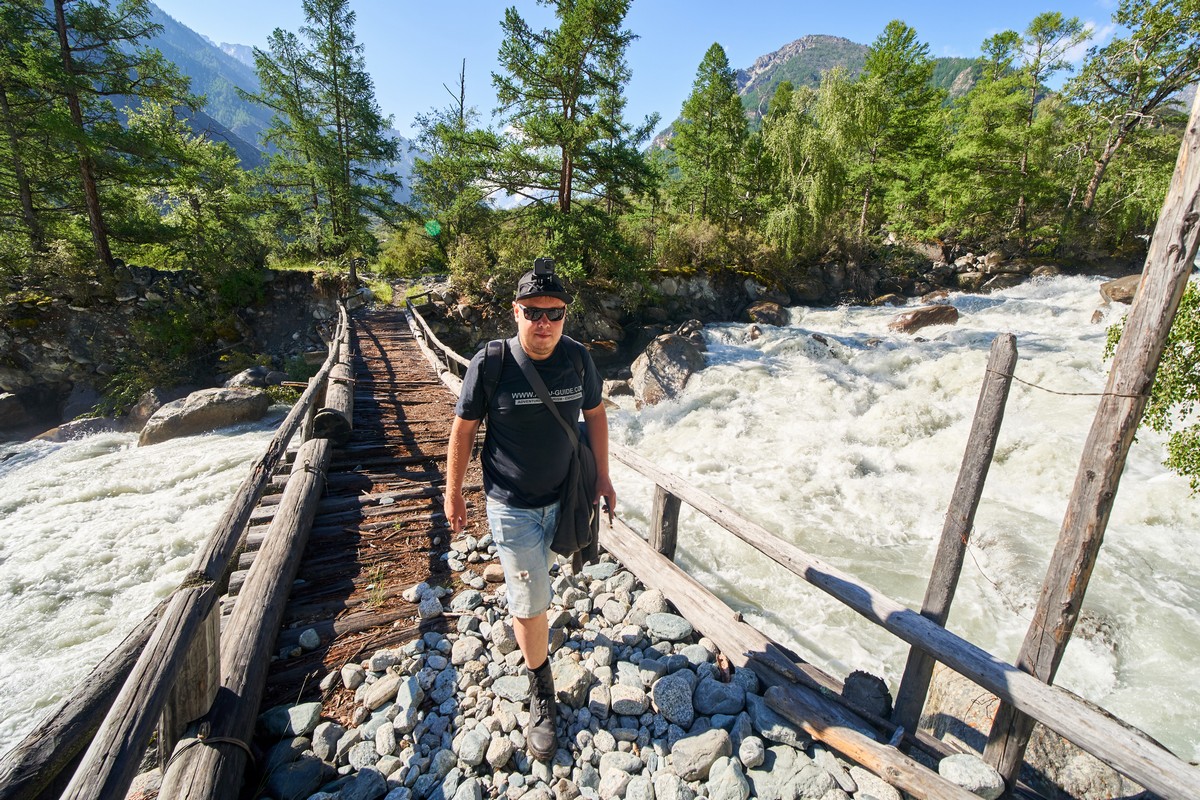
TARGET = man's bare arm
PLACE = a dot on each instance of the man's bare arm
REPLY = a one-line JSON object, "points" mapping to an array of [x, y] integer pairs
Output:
{"points": [[462, 437], [596, 420]]}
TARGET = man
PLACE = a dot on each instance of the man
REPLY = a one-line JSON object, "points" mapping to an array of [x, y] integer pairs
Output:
{"points": [[525, 458]]}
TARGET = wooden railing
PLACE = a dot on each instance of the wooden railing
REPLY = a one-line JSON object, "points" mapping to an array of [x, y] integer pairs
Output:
{"points": [[808, 697], [166, 673]]}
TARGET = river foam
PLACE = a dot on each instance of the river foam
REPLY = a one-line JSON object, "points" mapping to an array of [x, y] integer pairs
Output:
{"points": [[93, 533], [850, 449]]}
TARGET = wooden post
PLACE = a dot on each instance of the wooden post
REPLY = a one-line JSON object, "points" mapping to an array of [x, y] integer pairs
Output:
{"points": [[947, 564], [306, 427], [1132, 754], [1168, 264], [195, 687], [216, 769], [112, 760], [664, 522], [335, 420]]}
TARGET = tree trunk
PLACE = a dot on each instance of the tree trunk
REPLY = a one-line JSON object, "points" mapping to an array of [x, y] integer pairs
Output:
{"points": [[37, 237], [1110, 150], [87, 167]]}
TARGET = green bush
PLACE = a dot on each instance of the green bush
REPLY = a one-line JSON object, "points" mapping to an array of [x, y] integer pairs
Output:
{"points": [[410, 252]]}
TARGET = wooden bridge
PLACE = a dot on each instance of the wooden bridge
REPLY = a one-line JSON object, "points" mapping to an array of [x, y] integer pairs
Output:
{"points": [[360, 500], [353, 517]]}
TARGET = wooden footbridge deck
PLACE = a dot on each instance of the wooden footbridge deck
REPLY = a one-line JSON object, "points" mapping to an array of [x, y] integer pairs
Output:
{"points": [[379, 528]]}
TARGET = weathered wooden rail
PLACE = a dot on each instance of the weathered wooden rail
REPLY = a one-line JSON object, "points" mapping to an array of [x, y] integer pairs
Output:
{"points": [[808, 697], [166, 672]]}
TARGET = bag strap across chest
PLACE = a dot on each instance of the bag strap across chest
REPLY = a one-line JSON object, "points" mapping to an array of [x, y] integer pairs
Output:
{"points": [[539, 387]]}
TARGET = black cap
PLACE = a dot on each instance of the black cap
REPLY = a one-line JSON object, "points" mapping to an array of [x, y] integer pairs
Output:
{"points": [[534, 285]]}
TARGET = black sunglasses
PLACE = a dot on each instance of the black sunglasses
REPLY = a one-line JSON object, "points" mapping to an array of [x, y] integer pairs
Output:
{"points": [[534, 314]]}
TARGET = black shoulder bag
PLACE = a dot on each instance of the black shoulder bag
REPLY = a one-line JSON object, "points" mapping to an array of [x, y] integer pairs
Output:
{"points": [[578, 520]]}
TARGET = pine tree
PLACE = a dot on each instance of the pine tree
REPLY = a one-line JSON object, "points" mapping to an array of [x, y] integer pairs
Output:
{"points": [[708, 139], [560, 95], [332, 173]]}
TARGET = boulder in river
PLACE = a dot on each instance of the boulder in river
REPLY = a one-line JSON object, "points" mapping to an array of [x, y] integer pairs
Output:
{"points": [[205, 410], [913, 321], [1122, 290], [765, 312], [663, 369]]}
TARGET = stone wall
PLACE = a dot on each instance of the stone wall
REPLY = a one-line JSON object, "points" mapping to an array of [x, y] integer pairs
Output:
{"points": [[57, 354]]}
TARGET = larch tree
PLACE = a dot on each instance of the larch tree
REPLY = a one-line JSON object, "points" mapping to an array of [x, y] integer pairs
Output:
{"points": [[101, 57], [447, 177], [1123, 85], [1042, 52], [25, 119], [335, 155], [709, 137], [559, 92], [894, 104]]}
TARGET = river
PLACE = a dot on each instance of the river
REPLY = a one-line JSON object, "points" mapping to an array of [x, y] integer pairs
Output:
{"points": [[848, 449]]}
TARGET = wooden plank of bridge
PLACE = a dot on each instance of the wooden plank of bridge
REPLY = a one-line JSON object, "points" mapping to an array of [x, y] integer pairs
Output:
{"points": [[1168, 264], [380, 527], [213, 765]]}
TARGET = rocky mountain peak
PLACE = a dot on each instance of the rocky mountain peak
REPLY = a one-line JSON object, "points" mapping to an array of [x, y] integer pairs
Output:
{"points": [[764, 66]]}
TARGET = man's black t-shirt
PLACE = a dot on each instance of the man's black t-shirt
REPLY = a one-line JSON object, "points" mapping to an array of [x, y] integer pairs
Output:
{"points": [[526, 452]]}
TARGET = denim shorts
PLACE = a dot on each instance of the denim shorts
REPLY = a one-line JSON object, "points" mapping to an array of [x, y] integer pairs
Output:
{"points": [[523, 537]]}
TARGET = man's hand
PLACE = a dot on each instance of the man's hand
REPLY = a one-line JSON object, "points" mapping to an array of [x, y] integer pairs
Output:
{"points": [[456, 510], [604, 489]]}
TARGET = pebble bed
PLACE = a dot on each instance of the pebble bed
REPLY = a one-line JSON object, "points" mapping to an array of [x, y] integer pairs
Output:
{"points": [[648, 710]]}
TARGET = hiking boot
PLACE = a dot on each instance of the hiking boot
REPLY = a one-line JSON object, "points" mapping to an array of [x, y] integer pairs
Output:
{"points": [[541, 735]]}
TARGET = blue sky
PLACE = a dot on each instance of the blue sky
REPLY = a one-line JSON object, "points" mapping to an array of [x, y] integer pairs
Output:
{"points": [[413, 49]]}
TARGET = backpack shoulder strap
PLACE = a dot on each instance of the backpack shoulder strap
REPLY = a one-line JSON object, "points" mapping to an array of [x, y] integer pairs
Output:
{"points": [[575, 351], [493, 365]]}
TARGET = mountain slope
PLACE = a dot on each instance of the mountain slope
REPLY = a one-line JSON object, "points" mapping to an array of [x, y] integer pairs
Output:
{"points": [[217, 72], [803, 62], [214, 74]]}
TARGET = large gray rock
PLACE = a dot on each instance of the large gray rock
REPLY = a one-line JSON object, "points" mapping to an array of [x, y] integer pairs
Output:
{"points": [[772, 726], [663, 369], [1122, 290], [693, 756], [671, 627], [79, 428], [973, 774], [913, 321], [297, 780], [672, 696], [290, 720], [960, 712], [714, 697], [205, 410]]}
